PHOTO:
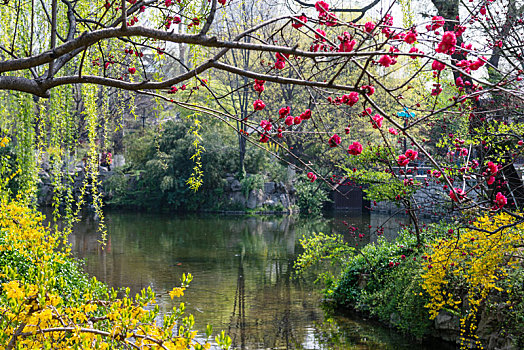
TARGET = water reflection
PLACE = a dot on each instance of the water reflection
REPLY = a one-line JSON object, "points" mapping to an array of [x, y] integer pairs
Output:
{"points": [[242, 271]]}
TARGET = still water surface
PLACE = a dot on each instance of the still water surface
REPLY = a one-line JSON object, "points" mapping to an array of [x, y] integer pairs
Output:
{"points": [[242, 268]]}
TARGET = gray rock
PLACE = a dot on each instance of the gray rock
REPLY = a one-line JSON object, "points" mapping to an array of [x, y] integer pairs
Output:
{"points": [[238, 197], [447, 321], [230, 179], [284, 199], [259, 194], [118, 161], [269, 203], [44, 177], [255, 199], [236, 186], [269, 187], [251, 200]]}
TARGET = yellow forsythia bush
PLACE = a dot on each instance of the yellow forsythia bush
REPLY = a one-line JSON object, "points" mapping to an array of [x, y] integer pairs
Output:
{"points": [[461, 271], [46, 302]]}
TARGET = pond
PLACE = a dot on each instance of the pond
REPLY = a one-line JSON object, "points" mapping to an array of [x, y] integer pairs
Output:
{"points": [[243, 274]]}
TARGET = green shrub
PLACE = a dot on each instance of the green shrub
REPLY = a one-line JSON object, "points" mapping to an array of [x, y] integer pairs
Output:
{"points": [[311, 196]]}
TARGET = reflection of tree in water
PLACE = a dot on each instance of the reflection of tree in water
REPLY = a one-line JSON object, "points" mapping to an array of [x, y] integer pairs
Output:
{"points": [[274, 318]]}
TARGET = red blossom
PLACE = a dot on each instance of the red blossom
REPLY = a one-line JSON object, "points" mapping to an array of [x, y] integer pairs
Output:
{"points": [[447, 45], [413, 50], [258, 105], [321, 6], [393, 131], [410, 37], [377, 121], [438, 66], [132, 70], [402, 160], [493, 168], [411, 154], [334, 140], [266, 125], [320, 34], [306, 114], [355, 148], [284, 111], [370, 89], [385, 61], [289, 120], [312, 177], [436, 23], [501, 200], [297, 24], [369, 26], [459, 192]]}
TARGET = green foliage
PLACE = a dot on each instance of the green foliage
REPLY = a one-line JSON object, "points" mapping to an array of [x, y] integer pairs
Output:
{"points": [[252, 182], [161, 164], [369, 171], [327, 252], [311, 196], [382, 279], [511, 310]]}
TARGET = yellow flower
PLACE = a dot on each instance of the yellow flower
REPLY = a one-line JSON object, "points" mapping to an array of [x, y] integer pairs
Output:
{"points": [[176, 292]]}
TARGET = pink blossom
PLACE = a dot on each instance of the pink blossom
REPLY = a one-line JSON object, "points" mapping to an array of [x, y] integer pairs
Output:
{"points": [[377, 121], [402, 160], [411, 154], [296, 24], [284, 111], [439, 66], [393, 131], [355, 148], [385, 61], [459, 192], [334, 140], [369, 26], [447, 45], [501, 200], [370, 89], [258, 105]]}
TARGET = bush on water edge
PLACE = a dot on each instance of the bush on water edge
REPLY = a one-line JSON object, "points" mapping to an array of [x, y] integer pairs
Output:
{"points": [[473, 275]]}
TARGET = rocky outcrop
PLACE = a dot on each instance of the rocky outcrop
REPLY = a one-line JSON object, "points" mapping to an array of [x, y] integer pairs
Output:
{"points": [[270, 197], [273, 196]]}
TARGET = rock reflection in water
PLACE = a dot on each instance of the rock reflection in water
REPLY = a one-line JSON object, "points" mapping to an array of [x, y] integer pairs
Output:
{"points": [[242, 270]]}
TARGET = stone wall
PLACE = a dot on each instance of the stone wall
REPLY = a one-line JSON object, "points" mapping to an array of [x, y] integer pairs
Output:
{"points": [[431, 200]]}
